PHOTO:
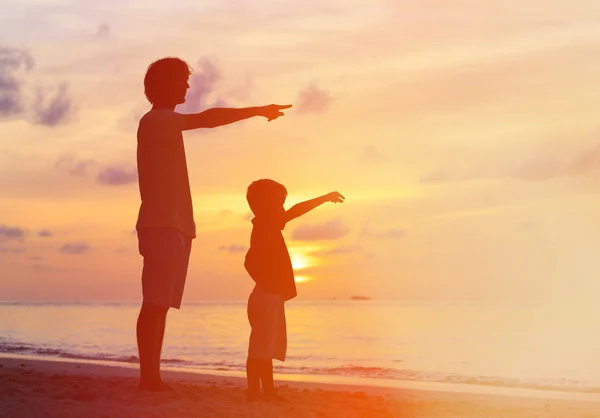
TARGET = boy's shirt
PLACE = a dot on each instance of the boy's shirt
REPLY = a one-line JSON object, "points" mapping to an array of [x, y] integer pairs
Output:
{"points": [[268, 260], [162, 172]]}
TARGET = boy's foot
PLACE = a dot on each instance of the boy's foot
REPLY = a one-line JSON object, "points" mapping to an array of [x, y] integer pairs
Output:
{"points": [[251, 397], [155, 387]]}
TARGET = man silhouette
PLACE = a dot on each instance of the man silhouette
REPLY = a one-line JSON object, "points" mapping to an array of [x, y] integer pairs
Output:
{"points": [[165, 224]]}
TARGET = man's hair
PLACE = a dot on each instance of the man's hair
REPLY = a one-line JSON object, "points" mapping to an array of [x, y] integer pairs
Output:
{"points": [[265, 194], [160, 75]]}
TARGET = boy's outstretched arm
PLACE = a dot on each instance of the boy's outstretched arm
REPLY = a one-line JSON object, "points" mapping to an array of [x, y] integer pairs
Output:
{"points": [[219, 116], [300, 209]]}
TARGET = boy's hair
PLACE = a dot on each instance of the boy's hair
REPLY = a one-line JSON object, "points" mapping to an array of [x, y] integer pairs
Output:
{"points": [[265, 194], [161, 73]]}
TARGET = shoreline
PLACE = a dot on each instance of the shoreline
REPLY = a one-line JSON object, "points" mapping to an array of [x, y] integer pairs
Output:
{"points": [[66, 388], [107, 367], [373, 385]]}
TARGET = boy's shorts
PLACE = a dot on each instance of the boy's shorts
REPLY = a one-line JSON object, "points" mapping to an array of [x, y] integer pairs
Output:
{"points": [[166, 253], [266, 313]]}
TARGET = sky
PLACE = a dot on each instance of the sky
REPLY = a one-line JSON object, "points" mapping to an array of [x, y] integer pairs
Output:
{"points": [[464, 136]]}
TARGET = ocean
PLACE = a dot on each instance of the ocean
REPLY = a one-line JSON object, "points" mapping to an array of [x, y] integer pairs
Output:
{"points": [[546, 347]]}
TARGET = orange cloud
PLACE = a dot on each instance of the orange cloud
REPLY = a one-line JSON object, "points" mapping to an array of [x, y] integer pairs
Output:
{"points": [[313, 100], [325, 231]]}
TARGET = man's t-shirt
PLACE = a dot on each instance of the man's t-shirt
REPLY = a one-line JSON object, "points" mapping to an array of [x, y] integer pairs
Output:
{"points": [[268, 260], [162, 172]]}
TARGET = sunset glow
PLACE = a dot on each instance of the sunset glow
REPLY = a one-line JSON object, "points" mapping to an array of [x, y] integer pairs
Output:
{"points": [[302, 279], [300, 261], [463, 135]]}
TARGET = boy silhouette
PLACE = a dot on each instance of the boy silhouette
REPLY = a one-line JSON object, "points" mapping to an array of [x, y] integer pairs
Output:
{"points": [[165, 224], [268, 264]]}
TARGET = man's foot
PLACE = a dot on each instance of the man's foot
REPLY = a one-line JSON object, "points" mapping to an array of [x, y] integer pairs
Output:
{"points": [[158, 386], [252, 396], [166, 388]]}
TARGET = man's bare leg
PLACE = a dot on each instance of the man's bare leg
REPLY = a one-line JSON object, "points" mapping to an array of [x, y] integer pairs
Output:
{"points": [[150, 334], [158, 349]]}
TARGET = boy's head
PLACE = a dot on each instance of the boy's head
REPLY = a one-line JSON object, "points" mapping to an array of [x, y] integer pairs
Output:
{"points": [[266, 197], [166, 81]]}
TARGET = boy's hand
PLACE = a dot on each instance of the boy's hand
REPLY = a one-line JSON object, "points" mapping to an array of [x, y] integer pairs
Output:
{"points": [[334, 197], [272, 112]]}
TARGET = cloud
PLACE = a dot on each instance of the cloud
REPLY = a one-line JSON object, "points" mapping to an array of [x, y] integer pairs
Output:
{"points": [[225, 213], [78, 247], [435, 177], [53, 110], [117, 175], [371, 154], [73, 166], [527, 225], [546, 167], [103, 31], [534, 169], [202, 83], [47, 267], [12, 250], [450, 176], [313, 100], [549, 164], [586, 161], [130, 120], [45, 233], [48, 109], [15, 233], [537, 169], [393, 233], [325, 231], [348, 249], [11, 61], [233, 248], [243, 91]]}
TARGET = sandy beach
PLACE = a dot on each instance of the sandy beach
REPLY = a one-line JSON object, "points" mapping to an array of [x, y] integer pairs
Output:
{"points": [[48, 388]]}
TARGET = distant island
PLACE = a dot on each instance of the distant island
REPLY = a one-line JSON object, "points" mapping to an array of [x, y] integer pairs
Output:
{"points": [[360, 298]]}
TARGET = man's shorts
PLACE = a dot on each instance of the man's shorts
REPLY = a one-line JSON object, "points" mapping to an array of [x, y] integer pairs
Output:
{"points": [[166, 253], [266, 313]]}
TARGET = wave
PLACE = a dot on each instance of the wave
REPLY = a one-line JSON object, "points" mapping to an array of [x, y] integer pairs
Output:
{"points": [[563, 385], [30, 349], [350, 370]]}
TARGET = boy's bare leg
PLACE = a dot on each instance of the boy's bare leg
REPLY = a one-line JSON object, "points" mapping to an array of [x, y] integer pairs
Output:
{"points": [[266, 376], [150, 334], [253, 373]]}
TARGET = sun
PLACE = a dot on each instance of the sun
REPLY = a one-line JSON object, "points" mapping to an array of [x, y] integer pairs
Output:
{"points": [[299, 261]]}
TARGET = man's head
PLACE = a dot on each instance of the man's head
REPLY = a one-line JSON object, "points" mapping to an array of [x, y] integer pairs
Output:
{"points": [[166, 81], [266, 197]]}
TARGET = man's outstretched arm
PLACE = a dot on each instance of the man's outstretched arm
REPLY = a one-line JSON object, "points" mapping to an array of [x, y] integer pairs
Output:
{"points": [[220, 116]]}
